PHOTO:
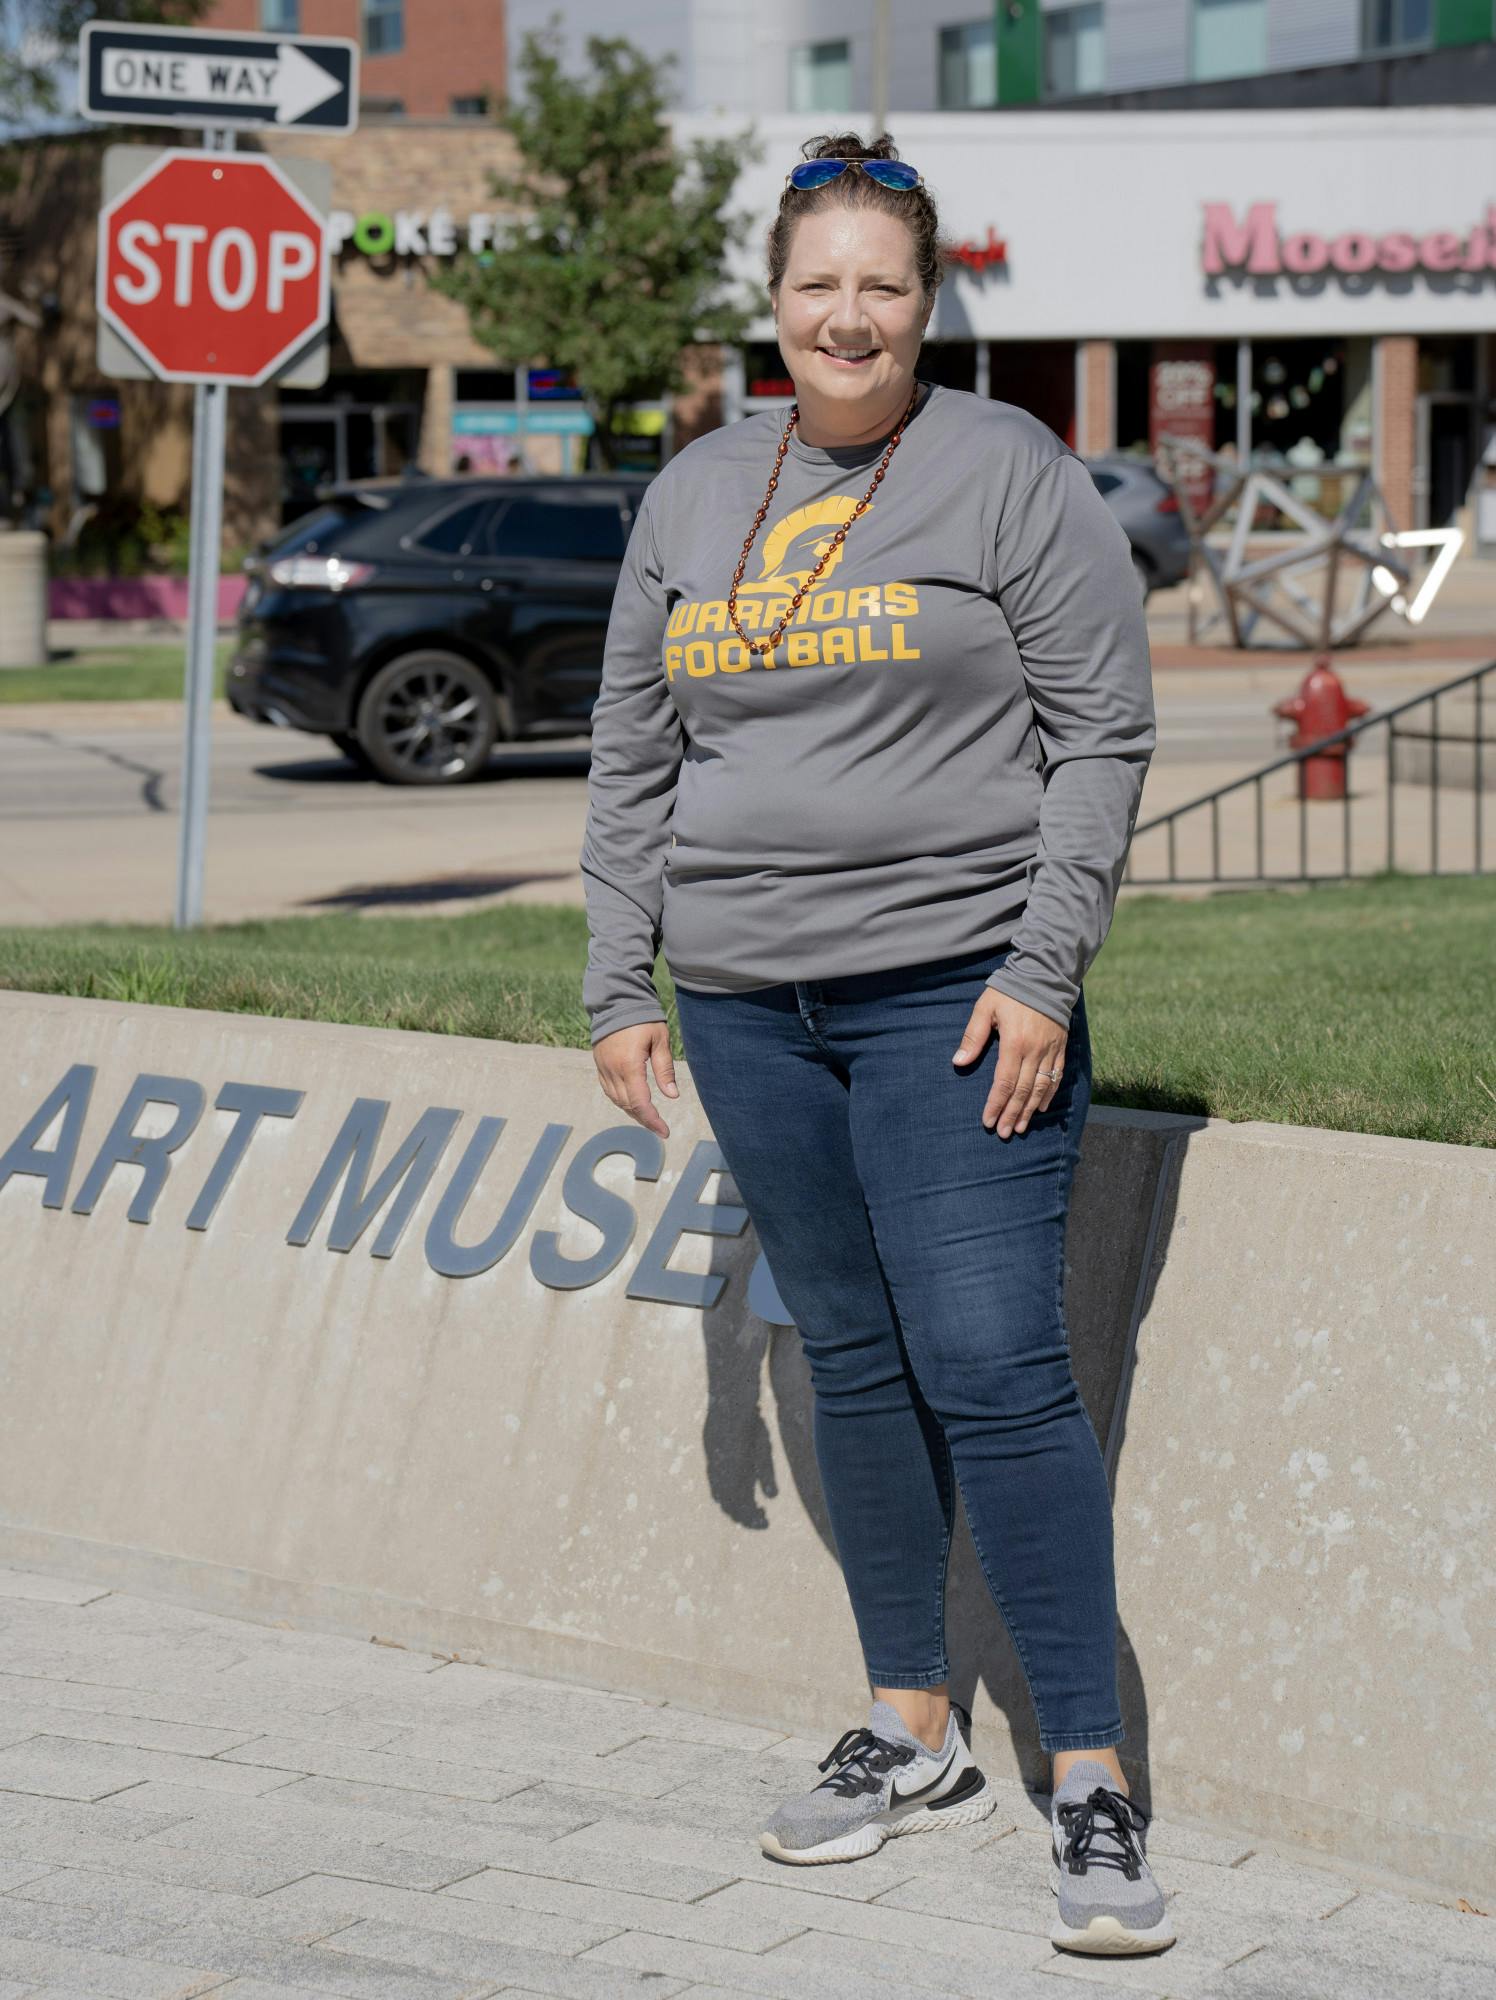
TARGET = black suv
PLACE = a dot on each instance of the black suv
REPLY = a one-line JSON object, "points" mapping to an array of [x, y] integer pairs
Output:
{"points": [[418, 621]]}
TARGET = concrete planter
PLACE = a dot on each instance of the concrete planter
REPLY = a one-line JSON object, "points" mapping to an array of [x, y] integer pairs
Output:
{"points": [[23, 597], [228, 1378]]}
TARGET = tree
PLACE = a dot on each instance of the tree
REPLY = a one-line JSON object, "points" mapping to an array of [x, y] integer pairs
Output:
{"points": [[37, 36], [615, 262]]}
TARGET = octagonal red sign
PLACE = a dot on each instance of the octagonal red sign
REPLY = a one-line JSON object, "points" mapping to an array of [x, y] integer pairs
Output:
{"points": [[213, 267]]}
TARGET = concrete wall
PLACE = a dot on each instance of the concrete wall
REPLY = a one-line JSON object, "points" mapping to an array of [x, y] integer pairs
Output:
{"points": [[593, 1457]]}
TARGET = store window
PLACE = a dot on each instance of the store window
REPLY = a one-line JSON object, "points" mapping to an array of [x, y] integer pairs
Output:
{"points": [[951, 363], [765, 376], [384, 27], [1039, 376], [1151, 386], [968, 66], [485, 385], [1309, 418], [821, 77], [1230, 38], [1396, 24], [280, 17], [1074, 51]]}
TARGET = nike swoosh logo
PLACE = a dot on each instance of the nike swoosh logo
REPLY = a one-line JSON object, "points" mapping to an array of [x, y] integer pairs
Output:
{"points": [[898, 1798]]}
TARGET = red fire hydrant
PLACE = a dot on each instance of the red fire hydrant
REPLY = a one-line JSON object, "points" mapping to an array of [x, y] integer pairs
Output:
{"points": [[1321, 708]]}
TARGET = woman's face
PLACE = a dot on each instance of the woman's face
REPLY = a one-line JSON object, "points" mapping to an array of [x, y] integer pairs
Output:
{"points": [[851, 313]]}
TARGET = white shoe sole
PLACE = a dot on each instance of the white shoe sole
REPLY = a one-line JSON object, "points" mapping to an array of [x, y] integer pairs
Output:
{"points": [[1108, 1937], [1105, 1937], [868, 1839]]}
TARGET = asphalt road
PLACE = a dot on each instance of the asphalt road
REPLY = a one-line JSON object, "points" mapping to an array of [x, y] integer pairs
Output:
{"points": [[89, 797]]}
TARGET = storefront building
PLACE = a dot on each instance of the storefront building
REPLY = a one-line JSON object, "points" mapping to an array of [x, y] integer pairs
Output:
{"points": [[408, 383], [1318, 285]]}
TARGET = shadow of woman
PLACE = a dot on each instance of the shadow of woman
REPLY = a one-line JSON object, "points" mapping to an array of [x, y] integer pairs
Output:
{"points": [[1122, 1212]]}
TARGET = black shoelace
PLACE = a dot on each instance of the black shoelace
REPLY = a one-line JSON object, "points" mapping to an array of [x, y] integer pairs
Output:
{"points": [[863, 1760], [1111, 1816]]}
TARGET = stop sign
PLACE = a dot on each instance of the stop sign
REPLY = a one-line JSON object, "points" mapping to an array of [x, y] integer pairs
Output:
{"points": [[213, 267]]}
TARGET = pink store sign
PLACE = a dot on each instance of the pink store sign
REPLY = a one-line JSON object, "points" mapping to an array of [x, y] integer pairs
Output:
{"points": [[1257, 247]]}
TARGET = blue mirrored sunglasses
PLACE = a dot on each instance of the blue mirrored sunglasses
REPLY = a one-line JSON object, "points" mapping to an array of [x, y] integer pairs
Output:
{"points": [[888, 173]]}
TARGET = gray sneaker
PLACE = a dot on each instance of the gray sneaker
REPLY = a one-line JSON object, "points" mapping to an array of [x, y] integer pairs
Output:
{"points": [[1110, 1905], [885, 1782]]}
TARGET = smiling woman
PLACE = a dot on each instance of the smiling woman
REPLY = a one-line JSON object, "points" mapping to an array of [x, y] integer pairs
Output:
{"points": [[878, 884], [854, 266]]}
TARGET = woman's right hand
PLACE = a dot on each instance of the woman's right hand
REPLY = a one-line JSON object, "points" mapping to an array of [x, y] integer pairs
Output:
{"points": [[624, 1060]]}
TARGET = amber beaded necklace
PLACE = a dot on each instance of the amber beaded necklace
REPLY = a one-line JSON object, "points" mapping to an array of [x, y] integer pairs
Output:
{"points": [[768, 645]]}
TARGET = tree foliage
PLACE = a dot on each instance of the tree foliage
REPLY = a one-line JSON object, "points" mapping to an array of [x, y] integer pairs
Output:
{"points": [[36, 36], [615, 261]]}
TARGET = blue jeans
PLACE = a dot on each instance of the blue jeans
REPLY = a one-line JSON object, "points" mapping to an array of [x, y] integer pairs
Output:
{"points": [[922, 1257]]}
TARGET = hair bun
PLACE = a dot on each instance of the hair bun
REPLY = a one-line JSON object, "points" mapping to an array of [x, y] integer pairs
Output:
{"points": [[915, 207], [849, 146]]}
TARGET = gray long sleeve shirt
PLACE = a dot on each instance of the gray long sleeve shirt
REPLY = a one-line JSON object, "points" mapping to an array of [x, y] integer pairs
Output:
{"points": [[944, 752]]}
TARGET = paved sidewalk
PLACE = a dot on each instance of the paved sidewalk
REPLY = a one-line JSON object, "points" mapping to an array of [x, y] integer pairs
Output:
{"points": [[196, 1803]]}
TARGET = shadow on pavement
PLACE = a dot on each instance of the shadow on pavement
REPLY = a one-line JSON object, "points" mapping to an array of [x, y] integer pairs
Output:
{"points": [[433, 889]]}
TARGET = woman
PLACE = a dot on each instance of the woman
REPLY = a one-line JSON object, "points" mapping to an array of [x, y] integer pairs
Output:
{"points": [[875, 715]]}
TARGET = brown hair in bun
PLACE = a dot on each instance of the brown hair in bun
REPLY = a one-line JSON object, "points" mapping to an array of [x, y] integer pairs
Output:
{"points": [[915, 208]]}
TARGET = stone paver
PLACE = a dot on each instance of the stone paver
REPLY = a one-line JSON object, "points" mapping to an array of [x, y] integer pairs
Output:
{"points": [[192, 1804]]}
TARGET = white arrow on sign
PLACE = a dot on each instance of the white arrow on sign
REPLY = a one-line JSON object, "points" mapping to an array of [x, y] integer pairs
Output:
{"points": [[291, 84]]}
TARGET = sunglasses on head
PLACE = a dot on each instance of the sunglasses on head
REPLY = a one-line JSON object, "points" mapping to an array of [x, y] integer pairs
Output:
{"points": [[888, 173]]}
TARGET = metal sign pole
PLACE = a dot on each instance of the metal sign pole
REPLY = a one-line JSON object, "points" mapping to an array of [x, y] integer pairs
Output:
{"points": [[205, 538]]}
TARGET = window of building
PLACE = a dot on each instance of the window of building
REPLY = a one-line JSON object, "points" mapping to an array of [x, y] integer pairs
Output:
{"points": [[968, 66], [1074, 51], [1230, 38], [821, 77], [562, 526], [280, 17], [952, 363], [485, 385], [384, 27], [1396, 24], [470, 107], [381, 107]]}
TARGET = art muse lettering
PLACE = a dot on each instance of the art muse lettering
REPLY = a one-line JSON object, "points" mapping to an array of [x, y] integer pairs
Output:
{"points": [[369, 1184], [1256, 247]]}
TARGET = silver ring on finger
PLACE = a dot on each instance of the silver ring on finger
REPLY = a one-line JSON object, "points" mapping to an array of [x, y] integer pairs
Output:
{"points": [[1050, 1075]]}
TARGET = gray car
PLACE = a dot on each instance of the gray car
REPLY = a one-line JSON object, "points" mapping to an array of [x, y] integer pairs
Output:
{"points": [[1149, 512]]}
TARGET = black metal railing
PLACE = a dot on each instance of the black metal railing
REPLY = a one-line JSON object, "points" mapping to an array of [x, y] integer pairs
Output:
{"points": [[1371, 811]]}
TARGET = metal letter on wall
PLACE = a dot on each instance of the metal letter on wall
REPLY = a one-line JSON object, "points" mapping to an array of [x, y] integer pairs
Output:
{"points": [[353, 1152], [652, 1278], [125, 1147], [251, 1102], [451, 1259], [612, 1214], [24, 1156]]}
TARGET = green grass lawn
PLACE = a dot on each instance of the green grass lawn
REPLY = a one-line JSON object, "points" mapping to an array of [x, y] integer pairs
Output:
{"points": [[1368, 1008], [151, 671]]}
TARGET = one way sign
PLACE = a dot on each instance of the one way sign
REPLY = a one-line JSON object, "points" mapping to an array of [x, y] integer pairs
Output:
{"points": [[194, 76]]}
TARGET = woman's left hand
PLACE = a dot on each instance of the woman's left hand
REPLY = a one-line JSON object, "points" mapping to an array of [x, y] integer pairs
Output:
{"points": [[1028, 1042]]}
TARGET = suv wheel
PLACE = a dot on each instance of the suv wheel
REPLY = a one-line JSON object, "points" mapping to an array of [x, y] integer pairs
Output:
{"points": [[428, 718]]}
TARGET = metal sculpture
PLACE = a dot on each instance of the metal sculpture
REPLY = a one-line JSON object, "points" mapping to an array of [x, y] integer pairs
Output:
{"points": [[1296, 586]]}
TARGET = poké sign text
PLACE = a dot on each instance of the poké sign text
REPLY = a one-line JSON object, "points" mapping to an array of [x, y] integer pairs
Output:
{"points": [[1256, 247]]}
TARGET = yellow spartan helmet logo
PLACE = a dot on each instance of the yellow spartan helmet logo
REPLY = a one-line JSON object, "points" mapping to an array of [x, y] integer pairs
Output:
{"points": [[794, 546]]}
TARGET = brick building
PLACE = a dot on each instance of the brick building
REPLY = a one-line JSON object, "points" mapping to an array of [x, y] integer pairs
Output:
{"points": [[420, 58]]}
